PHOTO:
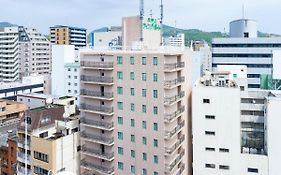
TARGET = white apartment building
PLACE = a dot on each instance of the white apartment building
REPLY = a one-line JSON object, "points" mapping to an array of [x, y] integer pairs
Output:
{"points": [[232, 129], [111, 37], [177, 40], [124, 93], [24, 51], [65, 71], [244, 48]]}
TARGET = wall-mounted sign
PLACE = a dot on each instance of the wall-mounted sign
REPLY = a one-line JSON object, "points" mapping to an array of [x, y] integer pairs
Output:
{"points": [[151, 24]]}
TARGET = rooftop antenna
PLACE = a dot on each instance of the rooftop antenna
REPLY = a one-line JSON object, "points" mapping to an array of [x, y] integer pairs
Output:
{"points": [[161, 20], [243, 11], [141, 18]]}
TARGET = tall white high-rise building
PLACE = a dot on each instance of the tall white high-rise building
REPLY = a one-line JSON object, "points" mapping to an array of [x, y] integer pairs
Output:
{"points": [[234, 130], [23, 51]]}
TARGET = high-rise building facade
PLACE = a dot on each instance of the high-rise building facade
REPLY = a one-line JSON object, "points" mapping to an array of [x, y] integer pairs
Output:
{"points": [[134, 112], [24, 51], [67, 35], [244, 48]]}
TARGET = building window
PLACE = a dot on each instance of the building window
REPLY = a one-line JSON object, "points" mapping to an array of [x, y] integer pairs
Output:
{"points": [[144, 156], [253, 170], [212, 117], [132, 91], [120, 165], [41, 156], [132, 107], [210, 133], [143, 76], [144, 171], [143, 60], [68, 69], [143, 92], [155, 77], [120, 75], [155, 126], [155, 110], [133, 139], [144, 140], [39, 170], [210, 165], [155, 173], [119, 60], [143, 108], [133, 153], [120, 135], [155, 143], [155, 159], [155, 61], [224, 167], [75, 77], [132, 75], [133, 169], [155, 94], [132, 60], [209, 149], [224, 150], [120, 90], [120, 120], [132, 122], [120, 151], [206, 100], [120, 105], [143, 124]]}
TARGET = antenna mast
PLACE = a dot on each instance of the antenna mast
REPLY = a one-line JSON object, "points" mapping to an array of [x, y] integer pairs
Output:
{"points": [[141, 18], [161, 20]]}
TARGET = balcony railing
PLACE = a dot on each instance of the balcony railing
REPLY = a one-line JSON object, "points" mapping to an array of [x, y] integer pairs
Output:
{"points": [[97, 94], [170, 100], [98, 124], [170, 134], [99, 109], [21, 143], [22, 156], [97, 153], [181, 168], [173, 66], [96, 64], [170, 117], [175, 82], [95, 79], [176, 145], [98, 168], [171, 166], [98, 138], [21, 170]]}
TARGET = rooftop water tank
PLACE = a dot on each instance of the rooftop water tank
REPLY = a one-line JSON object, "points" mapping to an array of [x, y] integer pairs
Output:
{"points": [[243, 28]]}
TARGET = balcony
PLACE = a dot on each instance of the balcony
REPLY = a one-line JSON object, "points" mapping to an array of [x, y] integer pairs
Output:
{"points": [[109, 141], [173, 83], [21, 144], [97, 124], [21, 171], [172, 100], [97, 168], [97, 94], [21, 157], [97, 80], [96, 65], [181, 169], [98, 154], [170, 150], [169, 167], [170, 117], [252, 107], [97, 109], [170, 134], [170, 67]]}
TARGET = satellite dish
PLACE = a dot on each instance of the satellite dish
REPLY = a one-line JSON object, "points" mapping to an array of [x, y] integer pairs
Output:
{"points": [[49, 101]]}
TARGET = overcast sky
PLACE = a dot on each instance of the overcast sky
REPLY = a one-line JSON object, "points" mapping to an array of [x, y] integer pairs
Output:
{"points": [[207, 15]]}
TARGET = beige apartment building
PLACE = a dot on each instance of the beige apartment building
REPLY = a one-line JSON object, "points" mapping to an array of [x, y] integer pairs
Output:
{"points": [[134, 112], [11, 111]]}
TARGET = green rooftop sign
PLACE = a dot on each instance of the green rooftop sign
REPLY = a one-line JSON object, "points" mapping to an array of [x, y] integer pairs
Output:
{"points": [[151, 24]]}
